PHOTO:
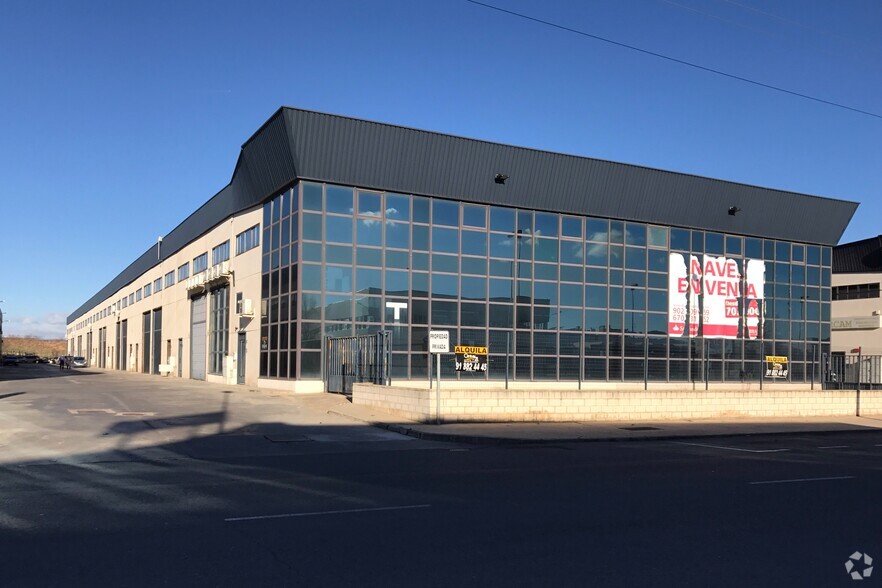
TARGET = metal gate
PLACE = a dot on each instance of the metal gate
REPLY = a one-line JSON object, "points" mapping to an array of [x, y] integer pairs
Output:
{"points": [[845, 371], [362, 358]]}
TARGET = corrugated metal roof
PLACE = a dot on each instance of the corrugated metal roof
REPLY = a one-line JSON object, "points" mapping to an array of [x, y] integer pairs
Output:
{"points": [[858, 257], [301, 144]]}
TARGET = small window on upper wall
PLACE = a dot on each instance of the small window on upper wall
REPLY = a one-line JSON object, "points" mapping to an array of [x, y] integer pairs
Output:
{"points": [[474, 216], [546, 224], [338, 199], [571, 226], [369, 204], [312, 197], [200, 263], [658, 237], [445, 212], [248, 239], [397, 207], [220, 253]]}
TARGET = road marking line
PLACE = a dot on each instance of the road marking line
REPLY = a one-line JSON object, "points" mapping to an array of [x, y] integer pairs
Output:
{"points": [[732, 448], [326, 512], [802, 480], [832, 447]]}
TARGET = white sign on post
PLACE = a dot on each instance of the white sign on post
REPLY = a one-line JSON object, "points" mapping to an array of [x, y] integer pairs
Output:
{"points": [[439, 342]]}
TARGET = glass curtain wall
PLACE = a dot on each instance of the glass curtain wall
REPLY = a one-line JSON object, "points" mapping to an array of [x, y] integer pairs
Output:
{"points": [[341, 260]]}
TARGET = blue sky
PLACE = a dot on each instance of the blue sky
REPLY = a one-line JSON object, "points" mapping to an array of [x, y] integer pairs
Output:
{"points": [[118, 119]]}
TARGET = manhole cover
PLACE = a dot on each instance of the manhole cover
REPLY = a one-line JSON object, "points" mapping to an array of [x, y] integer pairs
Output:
{"points": [[640, 428]]}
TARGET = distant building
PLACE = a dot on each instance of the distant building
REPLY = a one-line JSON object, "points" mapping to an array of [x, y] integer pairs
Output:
{"points": [[339, 226], [856, 320]]}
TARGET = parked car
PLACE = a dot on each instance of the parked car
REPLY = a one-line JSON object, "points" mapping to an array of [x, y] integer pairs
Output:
{"points": [[10, 360], [78, 362]]}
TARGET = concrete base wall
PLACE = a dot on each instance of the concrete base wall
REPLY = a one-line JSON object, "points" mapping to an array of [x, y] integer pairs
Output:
{"points": [[542, 404]]}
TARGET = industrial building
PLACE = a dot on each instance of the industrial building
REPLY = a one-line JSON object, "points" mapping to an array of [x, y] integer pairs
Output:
{"points": [[564, 267]]}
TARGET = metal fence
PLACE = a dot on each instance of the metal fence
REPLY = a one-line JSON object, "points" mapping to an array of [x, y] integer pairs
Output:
{"points": [[362, 358], [853, 371]]}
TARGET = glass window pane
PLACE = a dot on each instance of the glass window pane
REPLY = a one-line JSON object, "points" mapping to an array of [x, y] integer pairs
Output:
{"points": [[368, 309], [420, 238], [397, 283], [368, 256], [474, 288], [733, 245], [338, 229], [474, 215], [501, 290], [445, 286], [545, 293], [338, 307], [473, 314], [368, 232], [571, 295], [474, 265], [525, 247], [571, 273], [501, 315], [545, 271], [570, 319], [312, 227], [420, 209], [445, 263], [571, 226], [398, 235], [338, 199], [311, 276], [595, 320], [635, 234], [502, 246], [503, 269], [658, 237], [368, 281], [445, 212], [474, 243], [502, 219], [337, 279], [444, 313], [525, 222], [571, 251], [713, 243], [596, 254], [369, 204], [596, 229], [635, 258], [397, 207], [546, 224], [445, 240], [312, 197], [546, 250]]}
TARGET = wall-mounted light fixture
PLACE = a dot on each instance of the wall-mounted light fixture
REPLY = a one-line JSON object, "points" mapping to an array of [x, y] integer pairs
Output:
{"points": [[733, 210], [500, 178]]}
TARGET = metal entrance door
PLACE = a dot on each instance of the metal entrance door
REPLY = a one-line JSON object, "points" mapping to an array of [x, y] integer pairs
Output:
{"points": [[197, 337], [240, 359], [180, 356], [362, 358]]}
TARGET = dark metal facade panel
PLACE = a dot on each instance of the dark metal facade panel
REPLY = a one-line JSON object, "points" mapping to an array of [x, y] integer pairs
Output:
{"points": [[858, 257], [350, 151], [299, 143]]}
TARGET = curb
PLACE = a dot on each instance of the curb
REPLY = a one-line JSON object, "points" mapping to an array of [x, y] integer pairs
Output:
{"points": [[490, 440]]}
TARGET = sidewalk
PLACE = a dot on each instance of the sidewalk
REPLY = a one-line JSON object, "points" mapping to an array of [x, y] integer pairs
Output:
{"points": [[505, 433]]}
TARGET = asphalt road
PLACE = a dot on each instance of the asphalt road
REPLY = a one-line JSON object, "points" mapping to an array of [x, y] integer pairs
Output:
{"points": [[111, 480]]}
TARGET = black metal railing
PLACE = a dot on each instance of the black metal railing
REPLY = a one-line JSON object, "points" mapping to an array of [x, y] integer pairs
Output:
{"points": [[852, 371]]}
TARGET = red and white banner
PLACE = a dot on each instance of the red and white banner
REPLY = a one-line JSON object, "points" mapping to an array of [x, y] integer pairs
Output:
{"points": [[721, 290], [678, 287], [694, 294], [755, 277]]}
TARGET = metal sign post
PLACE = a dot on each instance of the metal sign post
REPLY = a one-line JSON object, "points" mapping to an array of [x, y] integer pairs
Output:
{"points": [[439, 342]]}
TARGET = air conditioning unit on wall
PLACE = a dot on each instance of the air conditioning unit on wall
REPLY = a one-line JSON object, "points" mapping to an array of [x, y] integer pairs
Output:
{"points": [[247, 307]]}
